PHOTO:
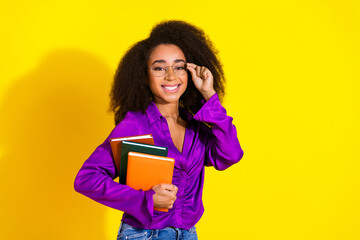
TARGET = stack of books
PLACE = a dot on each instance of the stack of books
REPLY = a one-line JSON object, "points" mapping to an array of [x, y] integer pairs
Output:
{"points": [[141, 164]]}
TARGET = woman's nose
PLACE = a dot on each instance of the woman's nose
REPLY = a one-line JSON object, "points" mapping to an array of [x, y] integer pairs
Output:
{"points": [[170, 74]]}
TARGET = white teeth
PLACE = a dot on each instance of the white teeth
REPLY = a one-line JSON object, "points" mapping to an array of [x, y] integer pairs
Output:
{"points": [[171, 88]]}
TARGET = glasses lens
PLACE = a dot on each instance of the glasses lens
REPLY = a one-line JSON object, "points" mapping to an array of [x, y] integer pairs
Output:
{"points": [[159, 71], [179, 69]]}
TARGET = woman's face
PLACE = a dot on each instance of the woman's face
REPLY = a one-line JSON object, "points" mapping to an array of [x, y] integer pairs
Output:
{"points": [[167, 85]]}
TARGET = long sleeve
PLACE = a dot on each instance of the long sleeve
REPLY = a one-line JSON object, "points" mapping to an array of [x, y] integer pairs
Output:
{"points": [[223, 147], [95, 180]]}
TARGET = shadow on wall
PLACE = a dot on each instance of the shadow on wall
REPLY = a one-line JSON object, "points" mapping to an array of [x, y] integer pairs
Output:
{"points": [[51, 120]]}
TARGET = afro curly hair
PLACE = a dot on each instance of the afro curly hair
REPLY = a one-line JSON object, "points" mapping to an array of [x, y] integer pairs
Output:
{"points": [[130, 90]]}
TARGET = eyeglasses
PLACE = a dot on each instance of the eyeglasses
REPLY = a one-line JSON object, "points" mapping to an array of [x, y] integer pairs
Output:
{"points": [[160, 71]]}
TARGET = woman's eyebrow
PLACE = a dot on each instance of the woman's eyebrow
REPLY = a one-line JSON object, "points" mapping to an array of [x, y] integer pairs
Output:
{"points": [[163, 61], [158, 61], [179, 60]]}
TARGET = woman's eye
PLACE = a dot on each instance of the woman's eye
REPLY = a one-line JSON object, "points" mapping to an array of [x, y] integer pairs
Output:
{"points": [[180, 68], [158, 69]]}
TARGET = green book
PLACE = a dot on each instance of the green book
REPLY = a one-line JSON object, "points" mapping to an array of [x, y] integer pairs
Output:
{"points": [[127, 146]]}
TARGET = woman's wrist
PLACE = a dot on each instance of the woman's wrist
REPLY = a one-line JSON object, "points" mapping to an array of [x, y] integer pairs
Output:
{"points": [[208, 94]]}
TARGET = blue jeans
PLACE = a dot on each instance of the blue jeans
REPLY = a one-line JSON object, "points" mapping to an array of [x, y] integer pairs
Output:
{"points": [[170, 233]]}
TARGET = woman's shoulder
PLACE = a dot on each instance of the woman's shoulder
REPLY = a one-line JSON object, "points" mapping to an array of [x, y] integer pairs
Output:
{"points": [[132, 123], [133, 119]]}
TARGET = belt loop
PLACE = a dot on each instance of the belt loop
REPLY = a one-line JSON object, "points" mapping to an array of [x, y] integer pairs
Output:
{"points": [[155, 232], [120, 227], [177, 233]]}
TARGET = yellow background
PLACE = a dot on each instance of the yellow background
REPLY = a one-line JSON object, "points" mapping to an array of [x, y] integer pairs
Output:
{"points": [[292, 71]]}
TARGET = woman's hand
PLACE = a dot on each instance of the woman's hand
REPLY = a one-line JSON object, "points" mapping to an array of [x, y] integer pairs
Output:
{"points": [[203, 80], [165, 195]]}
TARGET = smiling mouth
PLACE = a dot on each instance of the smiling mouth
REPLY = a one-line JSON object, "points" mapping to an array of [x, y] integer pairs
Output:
{"points": [[173, 87]]}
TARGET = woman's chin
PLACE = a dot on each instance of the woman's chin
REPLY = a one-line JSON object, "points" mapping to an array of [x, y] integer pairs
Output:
{"points": [[168, 98]]}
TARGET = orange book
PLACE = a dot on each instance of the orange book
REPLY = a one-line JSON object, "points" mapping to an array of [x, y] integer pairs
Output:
{"points": [[116, 145], [145, 171]]}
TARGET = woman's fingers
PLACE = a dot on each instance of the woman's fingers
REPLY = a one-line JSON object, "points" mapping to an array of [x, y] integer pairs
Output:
{"points": [[192, 71], [191, 68], [198, 71], [204, 73], [203, 80], [165, 195], [169, 187]]}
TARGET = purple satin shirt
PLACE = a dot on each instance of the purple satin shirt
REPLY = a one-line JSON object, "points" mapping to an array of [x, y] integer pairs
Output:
{"points": [[203, 146]]}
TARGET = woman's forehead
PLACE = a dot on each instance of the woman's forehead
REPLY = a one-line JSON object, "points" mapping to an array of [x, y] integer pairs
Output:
{"points": [[166, 53]]}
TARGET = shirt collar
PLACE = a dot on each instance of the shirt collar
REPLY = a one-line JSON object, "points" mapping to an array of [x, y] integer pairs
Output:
{"points": [[154, 114]]}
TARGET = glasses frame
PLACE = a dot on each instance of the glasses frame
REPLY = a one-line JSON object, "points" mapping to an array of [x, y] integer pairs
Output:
{"points": [[167, 70]]}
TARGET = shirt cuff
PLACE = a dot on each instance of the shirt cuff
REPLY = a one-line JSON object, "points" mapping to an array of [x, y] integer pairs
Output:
{"points": [[205, 112], [149, 206]]}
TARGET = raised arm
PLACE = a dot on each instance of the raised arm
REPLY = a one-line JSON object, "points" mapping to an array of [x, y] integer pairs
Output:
{"points": [[223, 147]]}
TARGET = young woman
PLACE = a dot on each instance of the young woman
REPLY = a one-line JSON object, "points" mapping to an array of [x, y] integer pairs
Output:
{"points": [[168, 85]]}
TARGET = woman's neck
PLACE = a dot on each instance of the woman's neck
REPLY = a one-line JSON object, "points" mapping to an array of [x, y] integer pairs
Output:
{"points": [[168, 110]]}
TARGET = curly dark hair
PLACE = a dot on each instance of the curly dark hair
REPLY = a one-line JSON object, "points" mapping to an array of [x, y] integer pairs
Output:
{"points": [[130, 90]]}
